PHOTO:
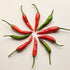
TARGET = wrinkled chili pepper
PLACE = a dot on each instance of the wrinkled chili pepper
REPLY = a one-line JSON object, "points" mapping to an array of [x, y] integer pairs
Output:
{"points": [[51, 29], [37, 17], [25, 19], [21, 47], [14, 27], [50, 38], [47, 48], [34, 53], [18, 37], [48, 20]]}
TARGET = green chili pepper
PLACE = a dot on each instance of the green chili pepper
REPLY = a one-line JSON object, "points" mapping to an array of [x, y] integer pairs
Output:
{"points": [[18, 37], [47, 48], [47, 21]]}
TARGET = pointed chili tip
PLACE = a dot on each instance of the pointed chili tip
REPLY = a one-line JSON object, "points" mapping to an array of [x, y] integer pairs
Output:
{"points": [[32, 29], [35, 30], [52, 11], [40, 39]]}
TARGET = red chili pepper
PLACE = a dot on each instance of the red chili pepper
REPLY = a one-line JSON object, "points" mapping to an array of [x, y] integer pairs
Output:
{"points": [[50, 38], [25, 19], [21, 47], [34, 51], [51, 29], [37, 17], [14, 27]]}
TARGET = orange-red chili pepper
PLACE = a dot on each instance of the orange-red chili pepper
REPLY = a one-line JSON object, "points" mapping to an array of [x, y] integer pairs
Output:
{"points": [[14, 27], [21, 47], [50, 38], [37, 17], [34, 51], [51, 29], [25, 19]]}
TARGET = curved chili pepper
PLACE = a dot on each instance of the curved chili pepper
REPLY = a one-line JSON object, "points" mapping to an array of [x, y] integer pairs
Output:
{"points": [[48, 20], [51, 29], [14, 27], [37, 17], [18, 37], [25, 19], [34, 51], [21, 47], [50, 38], [47, 48]]}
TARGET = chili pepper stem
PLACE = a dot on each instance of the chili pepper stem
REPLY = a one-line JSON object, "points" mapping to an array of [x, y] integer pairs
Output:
{"points": [[36, 8], [22, 10], [64, 28], [49, 59], [57, 44], [33, 61], [6, 35], [6, 22], [12, 53]]}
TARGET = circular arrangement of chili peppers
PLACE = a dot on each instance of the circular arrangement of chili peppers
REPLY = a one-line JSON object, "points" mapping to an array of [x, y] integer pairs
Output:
{"points": [[28, 33]]}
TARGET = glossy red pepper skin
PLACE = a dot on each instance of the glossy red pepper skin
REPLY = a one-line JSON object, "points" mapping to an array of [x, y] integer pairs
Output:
{"points": [[26, 19], [37, 17], [47, 37], [50, 38], [35, 47], [34, 53], [21, 47], [27, 22], [49, 30], [14, 27]]}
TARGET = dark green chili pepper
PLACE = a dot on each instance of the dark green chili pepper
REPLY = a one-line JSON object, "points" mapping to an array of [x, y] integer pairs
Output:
{"points": [[18, 37], [47, 21], [47, 48]]}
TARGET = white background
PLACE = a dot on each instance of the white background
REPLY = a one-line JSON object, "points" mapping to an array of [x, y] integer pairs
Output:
{"points": [[60, 57]]}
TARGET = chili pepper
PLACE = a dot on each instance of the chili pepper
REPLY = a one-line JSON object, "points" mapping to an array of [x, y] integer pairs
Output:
{"points": [[48, 20], [51, 29], [37, 17], [25, 19], [18, 37], [47, 48], [34, 53], [21, 47], [50, 38], [14, 27]]}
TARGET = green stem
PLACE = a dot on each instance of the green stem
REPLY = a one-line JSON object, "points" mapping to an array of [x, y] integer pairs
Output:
{"points": [[22, 10], [49, 59], [33, 61], [57, 44], [36, 8], [7, 22], [12, 53], [6, 35], [64, 28]]}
